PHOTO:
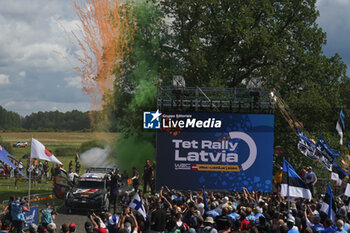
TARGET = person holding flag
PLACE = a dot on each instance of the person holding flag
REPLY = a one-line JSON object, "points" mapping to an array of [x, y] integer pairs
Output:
{"points": [[136, 204]]}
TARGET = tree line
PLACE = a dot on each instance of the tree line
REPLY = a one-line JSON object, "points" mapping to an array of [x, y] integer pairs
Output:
{"points": [[45, 121]]}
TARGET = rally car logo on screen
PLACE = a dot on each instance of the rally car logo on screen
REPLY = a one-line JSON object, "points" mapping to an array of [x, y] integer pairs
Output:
{"points": [[151, 120]]}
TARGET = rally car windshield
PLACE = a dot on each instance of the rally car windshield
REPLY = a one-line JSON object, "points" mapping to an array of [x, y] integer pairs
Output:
{"points": [[90, 184]]}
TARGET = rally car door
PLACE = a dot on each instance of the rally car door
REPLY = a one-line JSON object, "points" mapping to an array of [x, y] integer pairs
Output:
{"points": [[61, 185]]}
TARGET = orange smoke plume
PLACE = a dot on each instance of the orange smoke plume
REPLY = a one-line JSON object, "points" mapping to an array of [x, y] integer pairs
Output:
{"points": [[106, 34]]}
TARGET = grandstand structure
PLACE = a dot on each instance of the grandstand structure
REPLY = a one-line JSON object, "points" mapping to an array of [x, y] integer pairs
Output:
{"points": [[214, 99]]}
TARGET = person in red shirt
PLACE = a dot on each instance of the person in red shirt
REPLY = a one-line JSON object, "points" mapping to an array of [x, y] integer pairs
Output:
{"points": [[244, 222]]}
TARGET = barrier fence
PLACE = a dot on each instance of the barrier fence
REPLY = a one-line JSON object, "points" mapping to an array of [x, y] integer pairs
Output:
{"points": [[37, 199], [19, 181]]}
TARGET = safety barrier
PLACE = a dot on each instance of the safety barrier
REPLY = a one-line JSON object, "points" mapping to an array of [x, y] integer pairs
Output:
{"points": [[18, 181], [35, 199], [40, 198]]}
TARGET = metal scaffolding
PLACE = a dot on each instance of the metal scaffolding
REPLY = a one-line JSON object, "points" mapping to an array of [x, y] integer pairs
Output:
{"points": [[214, 99]]}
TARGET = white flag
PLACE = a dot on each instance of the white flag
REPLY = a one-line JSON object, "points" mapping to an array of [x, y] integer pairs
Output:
{"points": [[347, 190], [136, 204], [334, 176], [339, 182], [39, 151]]}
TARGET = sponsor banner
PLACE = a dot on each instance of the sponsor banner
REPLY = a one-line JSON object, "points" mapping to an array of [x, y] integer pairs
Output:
{"points": [[234, 151], [214, 167], [31, 217]]}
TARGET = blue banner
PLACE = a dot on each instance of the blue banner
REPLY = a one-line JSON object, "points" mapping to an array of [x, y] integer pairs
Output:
{"points": [[31, 217], [215, 150]]}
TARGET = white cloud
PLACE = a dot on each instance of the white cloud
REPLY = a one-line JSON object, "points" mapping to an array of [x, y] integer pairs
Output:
{"points": [[9, 104], [73, 82], [4, 79], [34, 45], [22, 74]]}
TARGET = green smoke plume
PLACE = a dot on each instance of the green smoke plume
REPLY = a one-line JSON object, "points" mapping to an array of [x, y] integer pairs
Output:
{"points": [[136, 93]]}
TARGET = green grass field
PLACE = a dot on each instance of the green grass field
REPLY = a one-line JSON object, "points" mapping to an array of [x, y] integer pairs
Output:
{"points": [[52, 140]]}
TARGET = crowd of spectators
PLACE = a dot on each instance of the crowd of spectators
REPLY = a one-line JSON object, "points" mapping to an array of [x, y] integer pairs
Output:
{"points": [[7, 171], [40, 171], [172, 211]]}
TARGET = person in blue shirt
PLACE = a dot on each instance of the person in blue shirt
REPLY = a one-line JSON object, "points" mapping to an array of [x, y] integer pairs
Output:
{"points": [[258, 214], [328, 225], [338, 216], [18, 208], [317, 227], [315, 224], [340, 227], [47, 215], [250, 217], [233, 215], [212, 213], [291, 227]]}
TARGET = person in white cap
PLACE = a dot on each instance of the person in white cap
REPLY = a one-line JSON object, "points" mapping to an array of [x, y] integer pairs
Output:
{"points": [[51, 228], [208, 225], [290, 225]]}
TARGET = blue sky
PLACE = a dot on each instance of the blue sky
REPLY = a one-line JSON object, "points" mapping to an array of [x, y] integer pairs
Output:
{"points": [[34, 76]]}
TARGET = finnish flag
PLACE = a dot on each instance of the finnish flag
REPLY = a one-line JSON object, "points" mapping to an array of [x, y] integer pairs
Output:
{"points": [[340, 127], [136, 204]]}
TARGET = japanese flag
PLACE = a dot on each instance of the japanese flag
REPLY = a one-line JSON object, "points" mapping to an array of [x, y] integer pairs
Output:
{"points": [[39, 151]]}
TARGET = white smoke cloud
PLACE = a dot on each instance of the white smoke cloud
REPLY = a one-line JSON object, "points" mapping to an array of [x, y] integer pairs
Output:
{"points": [[96, 157]]}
